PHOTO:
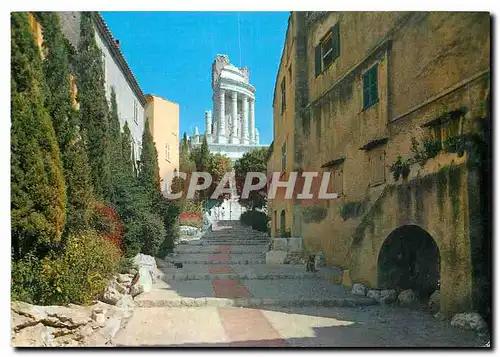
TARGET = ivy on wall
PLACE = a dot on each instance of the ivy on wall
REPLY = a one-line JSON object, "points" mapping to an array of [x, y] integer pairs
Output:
{"points": [[352, 209], [314, 214]]}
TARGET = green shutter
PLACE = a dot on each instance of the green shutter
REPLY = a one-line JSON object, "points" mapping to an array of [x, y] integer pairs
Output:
{"points": [[317, 60], [366, 90], [336, 41], [374, 85]]}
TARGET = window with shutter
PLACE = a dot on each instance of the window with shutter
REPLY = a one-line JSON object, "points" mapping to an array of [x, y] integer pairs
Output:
{"points": [[327, 51], [377, 167], [283, 157], [370, 87], [336, 41], [337, 180], [317, 60]]}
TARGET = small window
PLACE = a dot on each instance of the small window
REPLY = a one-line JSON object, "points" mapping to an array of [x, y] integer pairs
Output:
{"points": [[283, 157], [377, 167], [290, 74], [328, 50], [337, 180], [167, 152], [136, 113], [104, 72], [283, 95], [282, 222], [370, 87]]}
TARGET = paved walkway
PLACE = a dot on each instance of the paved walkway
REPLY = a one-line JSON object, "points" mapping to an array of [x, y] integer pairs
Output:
{"points": [[371, 326], [225, 295]]}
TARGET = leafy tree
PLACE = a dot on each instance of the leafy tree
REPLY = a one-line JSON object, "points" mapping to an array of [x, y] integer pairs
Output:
{"points": [[218, 166], [65, 122], [201, 156], [38, 190], [94, 110], [252, 161]]}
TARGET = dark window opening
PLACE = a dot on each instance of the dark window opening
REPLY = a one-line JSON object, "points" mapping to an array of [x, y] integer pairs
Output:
{"points": [[370, 87]]}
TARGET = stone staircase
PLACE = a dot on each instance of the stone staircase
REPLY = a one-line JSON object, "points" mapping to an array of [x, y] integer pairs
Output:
{"points": [[226, 267]]}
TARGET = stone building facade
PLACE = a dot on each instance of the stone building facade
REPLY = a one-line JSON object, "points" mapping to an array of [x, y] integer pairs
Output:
{"points": [[362, 90], [118, 75]]}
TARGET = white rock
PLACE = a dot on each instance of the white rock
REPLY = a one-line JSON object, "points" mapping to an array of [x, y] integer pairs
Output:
{"points": [[388, 296], [373, 294], [99, 318], [359, 289], [136, 290], [434, 301], [126, 302], [275, 257], [407, 298], [111, 296], [469, 321], [125, 278], [32, 336], [145, 279]]}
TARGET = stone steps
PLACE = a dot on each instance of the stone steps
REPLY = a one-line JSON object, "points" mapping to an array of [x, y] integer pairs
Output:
{"points": [[226, 242], [252, 302], [214, 249], [241, 271], [259, 293]]}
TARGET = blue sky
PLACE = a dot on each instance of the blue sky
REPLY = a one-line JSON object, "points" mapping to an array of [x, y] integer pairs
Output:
{"points": [[171, 55]]}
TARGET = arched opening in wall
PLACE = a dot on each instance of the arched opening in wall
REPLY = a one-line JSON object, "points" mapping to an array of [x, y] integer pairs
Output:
{"points": [[282, 222], [409, 259]]}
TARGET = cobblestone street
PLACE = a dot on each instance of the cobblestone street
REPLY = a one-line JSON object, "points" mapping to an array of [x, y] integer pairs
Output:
{"points": [[234, 299]]}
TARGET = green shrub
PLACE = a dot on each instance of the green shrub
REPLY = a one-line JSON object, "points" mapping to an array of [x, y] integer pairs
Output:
{"points": [[255, 219], [77, 274], [25, 279], [145, 235]]}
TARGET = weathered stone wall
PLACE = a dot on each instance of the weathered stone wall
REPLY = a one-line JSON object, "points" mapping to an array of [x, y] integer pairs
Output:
{"points": [[428, 64], [284, 127]]}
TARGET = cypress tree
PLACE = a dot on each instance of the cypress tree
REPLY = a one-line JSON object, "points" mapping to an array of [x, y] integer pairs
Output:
{"points": [[127, 155], [65, 123], [94, 110], [38, 192], [149, 173], [115, 141]]}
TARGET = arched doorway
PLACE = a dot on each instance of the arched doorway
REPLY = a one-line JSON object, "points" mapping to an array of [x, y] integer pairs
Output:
{"points": [[282, 222], [409, 259]]}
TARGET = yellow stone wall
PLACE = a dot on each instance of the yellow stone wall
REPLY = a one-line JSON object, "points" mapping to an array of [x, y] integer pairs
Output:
{"points": [[428, 64], [164, 125], [283, 129]]}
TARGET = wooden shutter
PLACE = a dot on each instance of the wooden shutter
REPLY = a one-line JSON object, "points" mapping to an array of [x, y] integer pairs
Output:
{"points": [[366, 90], [374, 85], [335, 41], [317, 60]]}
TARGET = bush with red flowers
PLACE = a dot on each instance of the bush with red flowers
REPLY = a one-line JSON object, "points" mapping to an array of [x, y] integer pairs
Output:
{"points": [[189, 216], [107, 222]]}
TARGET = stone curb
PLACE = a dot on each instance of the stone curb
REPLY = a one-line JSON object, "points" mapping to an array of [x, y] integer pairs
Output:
{"points": [[208, 276], [232, 261], [214, 250], [257, 302]]}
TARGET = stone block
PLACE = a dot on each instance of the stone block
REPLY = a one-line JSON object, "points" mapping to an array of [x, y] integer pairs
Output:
{"points": [[346, 279], [275, 257]]}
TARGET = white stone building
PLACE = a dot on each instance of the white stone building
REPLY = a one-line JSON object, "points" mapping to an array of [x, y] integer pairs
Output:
{"points": [[231, 130], [129, 96]]}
